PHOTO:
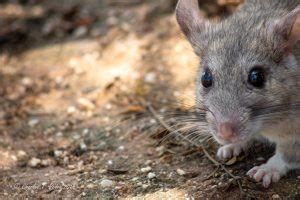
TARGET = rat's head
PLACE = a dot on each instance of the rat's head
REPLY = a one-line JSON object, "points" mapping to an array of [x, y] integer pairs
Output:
{"points": [[246, 64]]}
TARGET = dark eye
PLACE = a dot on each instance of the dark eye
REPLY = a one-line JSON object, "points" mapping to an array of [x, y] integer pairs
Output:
{"points": [[207, 78], [257, 77]]}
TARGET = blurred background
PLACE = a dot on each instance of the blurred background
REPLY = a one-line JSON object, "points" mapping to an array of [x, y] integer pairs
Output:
{"points": [[70, 70]]}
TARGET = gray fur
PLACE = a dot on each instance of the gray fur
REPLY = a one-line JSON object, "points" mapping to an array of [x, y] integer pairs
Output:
{"points": [[230, 49]]}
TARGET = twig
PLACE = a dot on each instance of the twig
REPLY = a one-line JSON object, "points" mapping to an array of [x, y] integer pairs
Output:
{"points": [[214, 161]]}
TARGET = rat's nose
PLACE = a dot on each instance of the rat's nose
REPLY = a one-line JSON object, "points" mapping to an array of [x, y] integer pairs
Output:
{"points": [[226, 130]]}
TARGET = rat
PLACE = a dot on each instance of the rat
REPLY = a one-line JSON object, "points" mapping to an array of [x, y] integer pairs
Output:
{"points": [[248, 80]]}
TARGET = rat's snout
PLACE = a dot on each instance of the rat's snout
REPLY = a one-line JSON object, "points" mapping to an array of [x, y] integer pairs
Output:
{"points": [[227, 131]]}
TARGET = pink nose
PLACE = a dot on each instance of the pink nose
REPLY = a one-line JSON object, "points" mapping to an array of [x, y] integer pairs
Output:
{"points": [[226, 130]]}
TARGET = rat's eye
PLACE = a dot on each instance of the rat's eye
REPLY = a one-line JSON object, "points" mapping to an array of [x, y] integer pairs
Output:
{"points": [[207, 78], [257, 77]]}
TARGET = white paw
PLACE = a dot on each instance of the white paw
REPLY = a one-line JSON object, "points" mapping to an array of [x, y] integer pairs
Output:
{"points": [[265, 173], [230, 150]]}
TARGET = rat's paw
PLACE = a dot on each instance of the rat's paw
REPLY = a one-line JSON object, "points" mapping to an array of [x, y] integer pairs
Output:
{"points": [[230, 150], [270, 172], [265, 173]]}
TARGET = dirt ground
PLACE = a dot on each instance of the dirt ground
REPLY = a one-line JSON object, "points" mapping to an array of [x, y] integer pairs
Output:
{"points": [[74, 79]]}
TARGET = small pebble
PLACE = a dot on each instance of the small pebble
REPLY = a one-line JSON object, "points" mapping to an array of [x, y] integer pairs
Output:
{"points": [[151, 175], [14, 158], [85, 131], [59, 134], [275, 196], [80, 31], [121, 148], [33, 122], [83, 146], [106, 183], [144, 186], [58, 153], [90, 186], [108, 106], [34, 162], [102, 171], [180, 172], [146, 169], [135, 179], [45, 163], [86, 104], [150, 78], [71, 167], [71, 110], [26, 81], [152, 121], [110, 162], [148, 162]]}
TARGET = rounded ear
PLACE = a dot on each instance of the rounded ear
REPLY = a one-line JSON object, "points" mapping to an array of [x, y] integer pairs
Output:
{"points": [[191, 21], [288, 28]]}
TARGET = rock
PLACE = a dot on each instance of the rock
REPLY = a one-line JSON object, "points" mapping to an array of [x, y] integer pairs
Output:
{"points": [[45, 163], [34, 162], [58, 153], [180, 172], [59, 134], [148, 162], [110, 162], [80, 31], [151, 175], [150, 77], [21, 154], [90, 186], [275, 196], [106, 183], [145, 186], [108, 106], [44, 184], [71, 110], [146, 169], [33, 122], [14, 158], [86, 104], [121, 148], [83, 146], [71, 167], [26, 81], [134, 179], [85, 131]]}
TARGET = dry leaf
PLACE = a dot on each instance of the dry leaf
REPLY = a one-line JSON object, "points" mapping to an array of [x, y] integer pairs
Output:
{"points": [[231, 161]]}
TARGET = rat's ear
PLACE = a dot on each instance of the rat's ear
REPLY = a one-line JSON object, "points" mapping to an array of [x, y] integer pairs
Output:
{"points": [[191, 21], [288, 28]]}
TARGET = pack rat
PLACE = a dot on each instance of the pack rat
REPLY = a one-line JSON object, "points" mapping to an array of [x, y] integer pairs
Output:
{"points": [[248, 79]]}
